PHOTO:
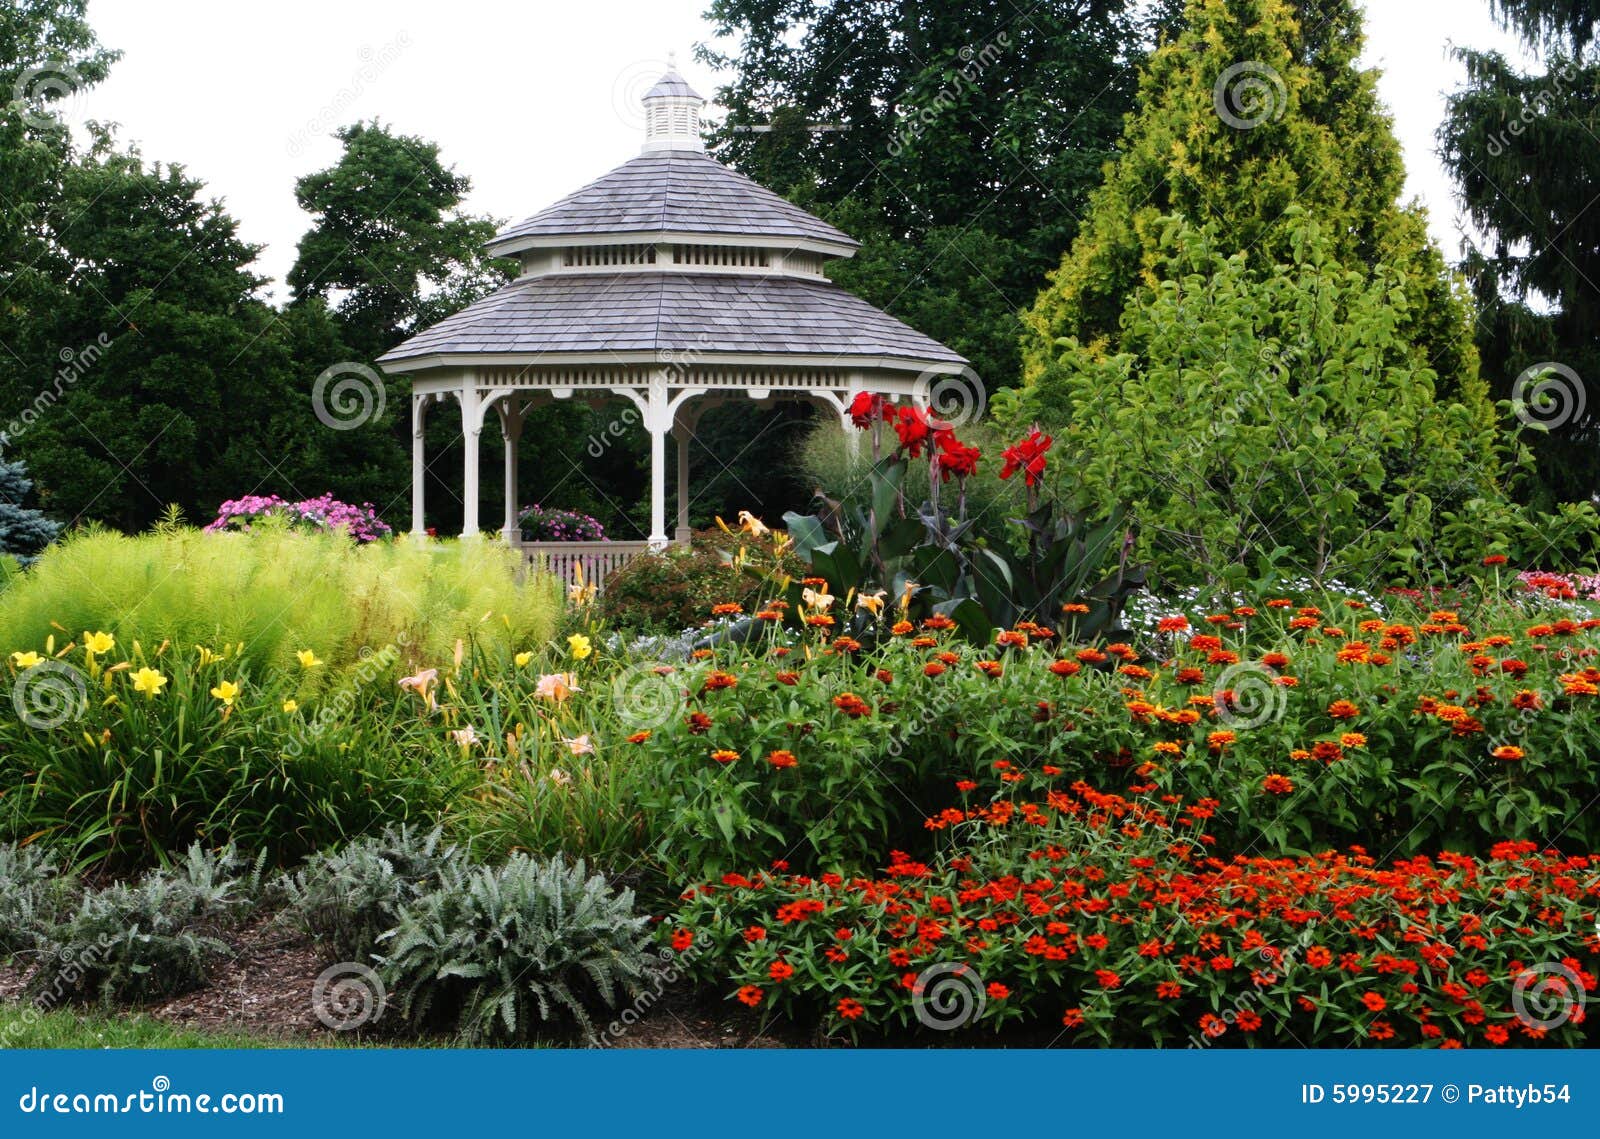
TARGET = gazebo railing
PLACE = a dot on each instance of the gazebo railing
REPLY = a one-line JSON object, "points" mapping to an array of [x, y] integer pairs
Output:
{"points": [[591, 562]]}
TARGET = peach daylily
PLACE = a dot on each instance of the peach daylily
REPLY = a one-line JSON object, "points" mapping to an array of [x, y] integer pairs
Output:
{"points": [[556, 686]]}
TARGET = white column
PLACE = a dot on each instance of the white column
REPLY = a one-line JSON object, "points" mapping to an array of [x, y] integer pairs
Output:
{"points": [[419, 464], [471, 430], [656, 423], [511, 433]]}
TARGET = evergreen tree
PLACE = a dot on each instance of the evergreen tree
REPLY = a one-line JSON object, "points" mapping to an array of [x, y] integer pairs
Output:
{"points": [[1254, 107], [23, 530], [1522, 149]]}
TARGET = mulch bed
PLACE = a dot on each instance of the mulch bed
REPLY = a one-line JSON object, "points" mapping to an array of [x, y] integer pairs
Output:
{"points": [[263, 988]]}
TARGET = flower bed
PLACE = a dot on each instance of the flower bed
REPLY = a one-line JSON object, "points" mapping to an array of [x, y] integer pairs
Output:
{"points": [[539, 524], [322, 513], [1107, 919]]}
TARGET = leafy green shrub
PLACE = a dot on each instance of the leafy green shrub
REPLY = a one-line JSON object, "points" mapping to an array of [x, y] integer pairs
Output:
{"points": [[1253, 422], [496, 952], [33, 895], [155, 937], [675, 589], [350, 897], [275, 592]]}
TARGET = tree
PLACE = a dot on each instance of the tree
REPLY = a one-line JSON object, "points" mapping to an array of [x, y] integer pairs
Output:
{"points": [[1521, 148], [390, 250], [23, 530], [957, 142], [1254, 107], [179, 387], [1275, 421], [48, 54]]}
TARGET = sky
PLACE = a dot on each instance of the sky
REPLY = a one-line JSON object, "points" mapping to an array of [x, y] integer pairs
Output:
{"points": [[531, 100]]}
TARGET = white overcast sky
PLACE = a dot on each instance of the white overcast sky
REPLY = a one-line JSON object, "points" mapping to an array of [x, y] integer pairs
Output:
{"points": [[530, 99]]}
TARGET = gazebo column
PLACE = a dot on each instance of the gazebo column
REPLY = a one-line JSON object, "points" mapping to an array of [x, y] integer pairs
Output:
{"points": [[419, 464], [471, 431], [657, 423], [511, 432]]}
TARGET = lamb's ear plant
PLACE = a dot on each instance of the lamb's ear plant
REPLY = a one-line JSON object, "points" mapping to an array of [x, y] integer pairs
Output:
{"points": [[152, 938], [498, 952], [346, 899], [34, 895]]}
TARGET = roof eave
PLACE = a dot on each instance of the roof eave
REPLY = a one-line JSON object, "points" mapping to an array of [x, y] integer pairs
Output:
{"points": [[429, 361], [508, 246]]}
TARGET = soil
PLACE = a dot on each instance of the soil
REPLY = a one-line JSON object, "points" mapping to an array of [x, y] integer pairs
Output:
{"points": [[264, 987]]}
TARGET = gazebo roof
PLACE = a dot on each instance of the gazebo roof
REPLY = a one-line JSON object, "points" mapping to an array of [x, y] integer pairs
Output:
{"points": [[671, 315], [672, 192], [672, 86]]}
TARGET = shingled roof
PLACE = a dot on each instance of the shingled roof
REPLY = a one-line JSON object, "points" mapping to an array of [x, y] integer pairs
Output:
{"points": [[674, 312], [673, 191]]}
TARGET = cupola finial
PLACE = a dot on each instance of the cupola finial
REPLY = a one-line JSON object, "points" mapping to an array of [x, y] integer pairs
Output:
{"points": [[672, 113]]}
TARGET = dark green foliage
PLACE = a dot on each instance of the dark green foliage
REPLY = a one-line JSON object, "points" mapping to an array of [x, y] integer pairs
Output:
{"points": [[1521, 148], [389, 239], [963, 141], [350, 897], [675, 589], [23, 530], [496, 953], [154, 937], [985, 573]]}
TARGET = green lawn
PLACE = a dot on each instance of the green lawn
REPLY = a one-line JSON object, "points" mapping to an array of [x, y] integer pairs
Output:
{"points": [[22, 1028]]}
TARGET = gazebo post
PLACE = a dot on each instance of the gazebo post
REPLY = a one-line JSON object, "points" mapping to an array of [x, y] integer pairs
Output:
{"points": [[511, 432], [471, 430], [419, 464], [656, 422]]}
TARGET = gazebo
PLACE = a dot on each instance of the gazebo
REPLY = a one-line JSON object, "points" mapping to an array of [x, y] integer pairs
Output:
{"points": [[675, 284]]}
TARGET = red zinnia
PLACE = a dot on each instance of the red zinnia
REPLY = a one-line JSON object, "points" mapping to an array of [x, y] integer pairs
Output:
{"points": [[850, 1008]]}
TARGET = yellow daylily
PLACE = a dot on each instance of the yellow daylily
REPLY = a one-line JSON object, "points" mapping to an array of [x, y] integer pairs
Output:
{"points": [[522, 659], [580, 646], [291, 705], [750, 524], [226, 692], [25, 660], [98, 644], [207, 656], [149, 681], [308, 658]]}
